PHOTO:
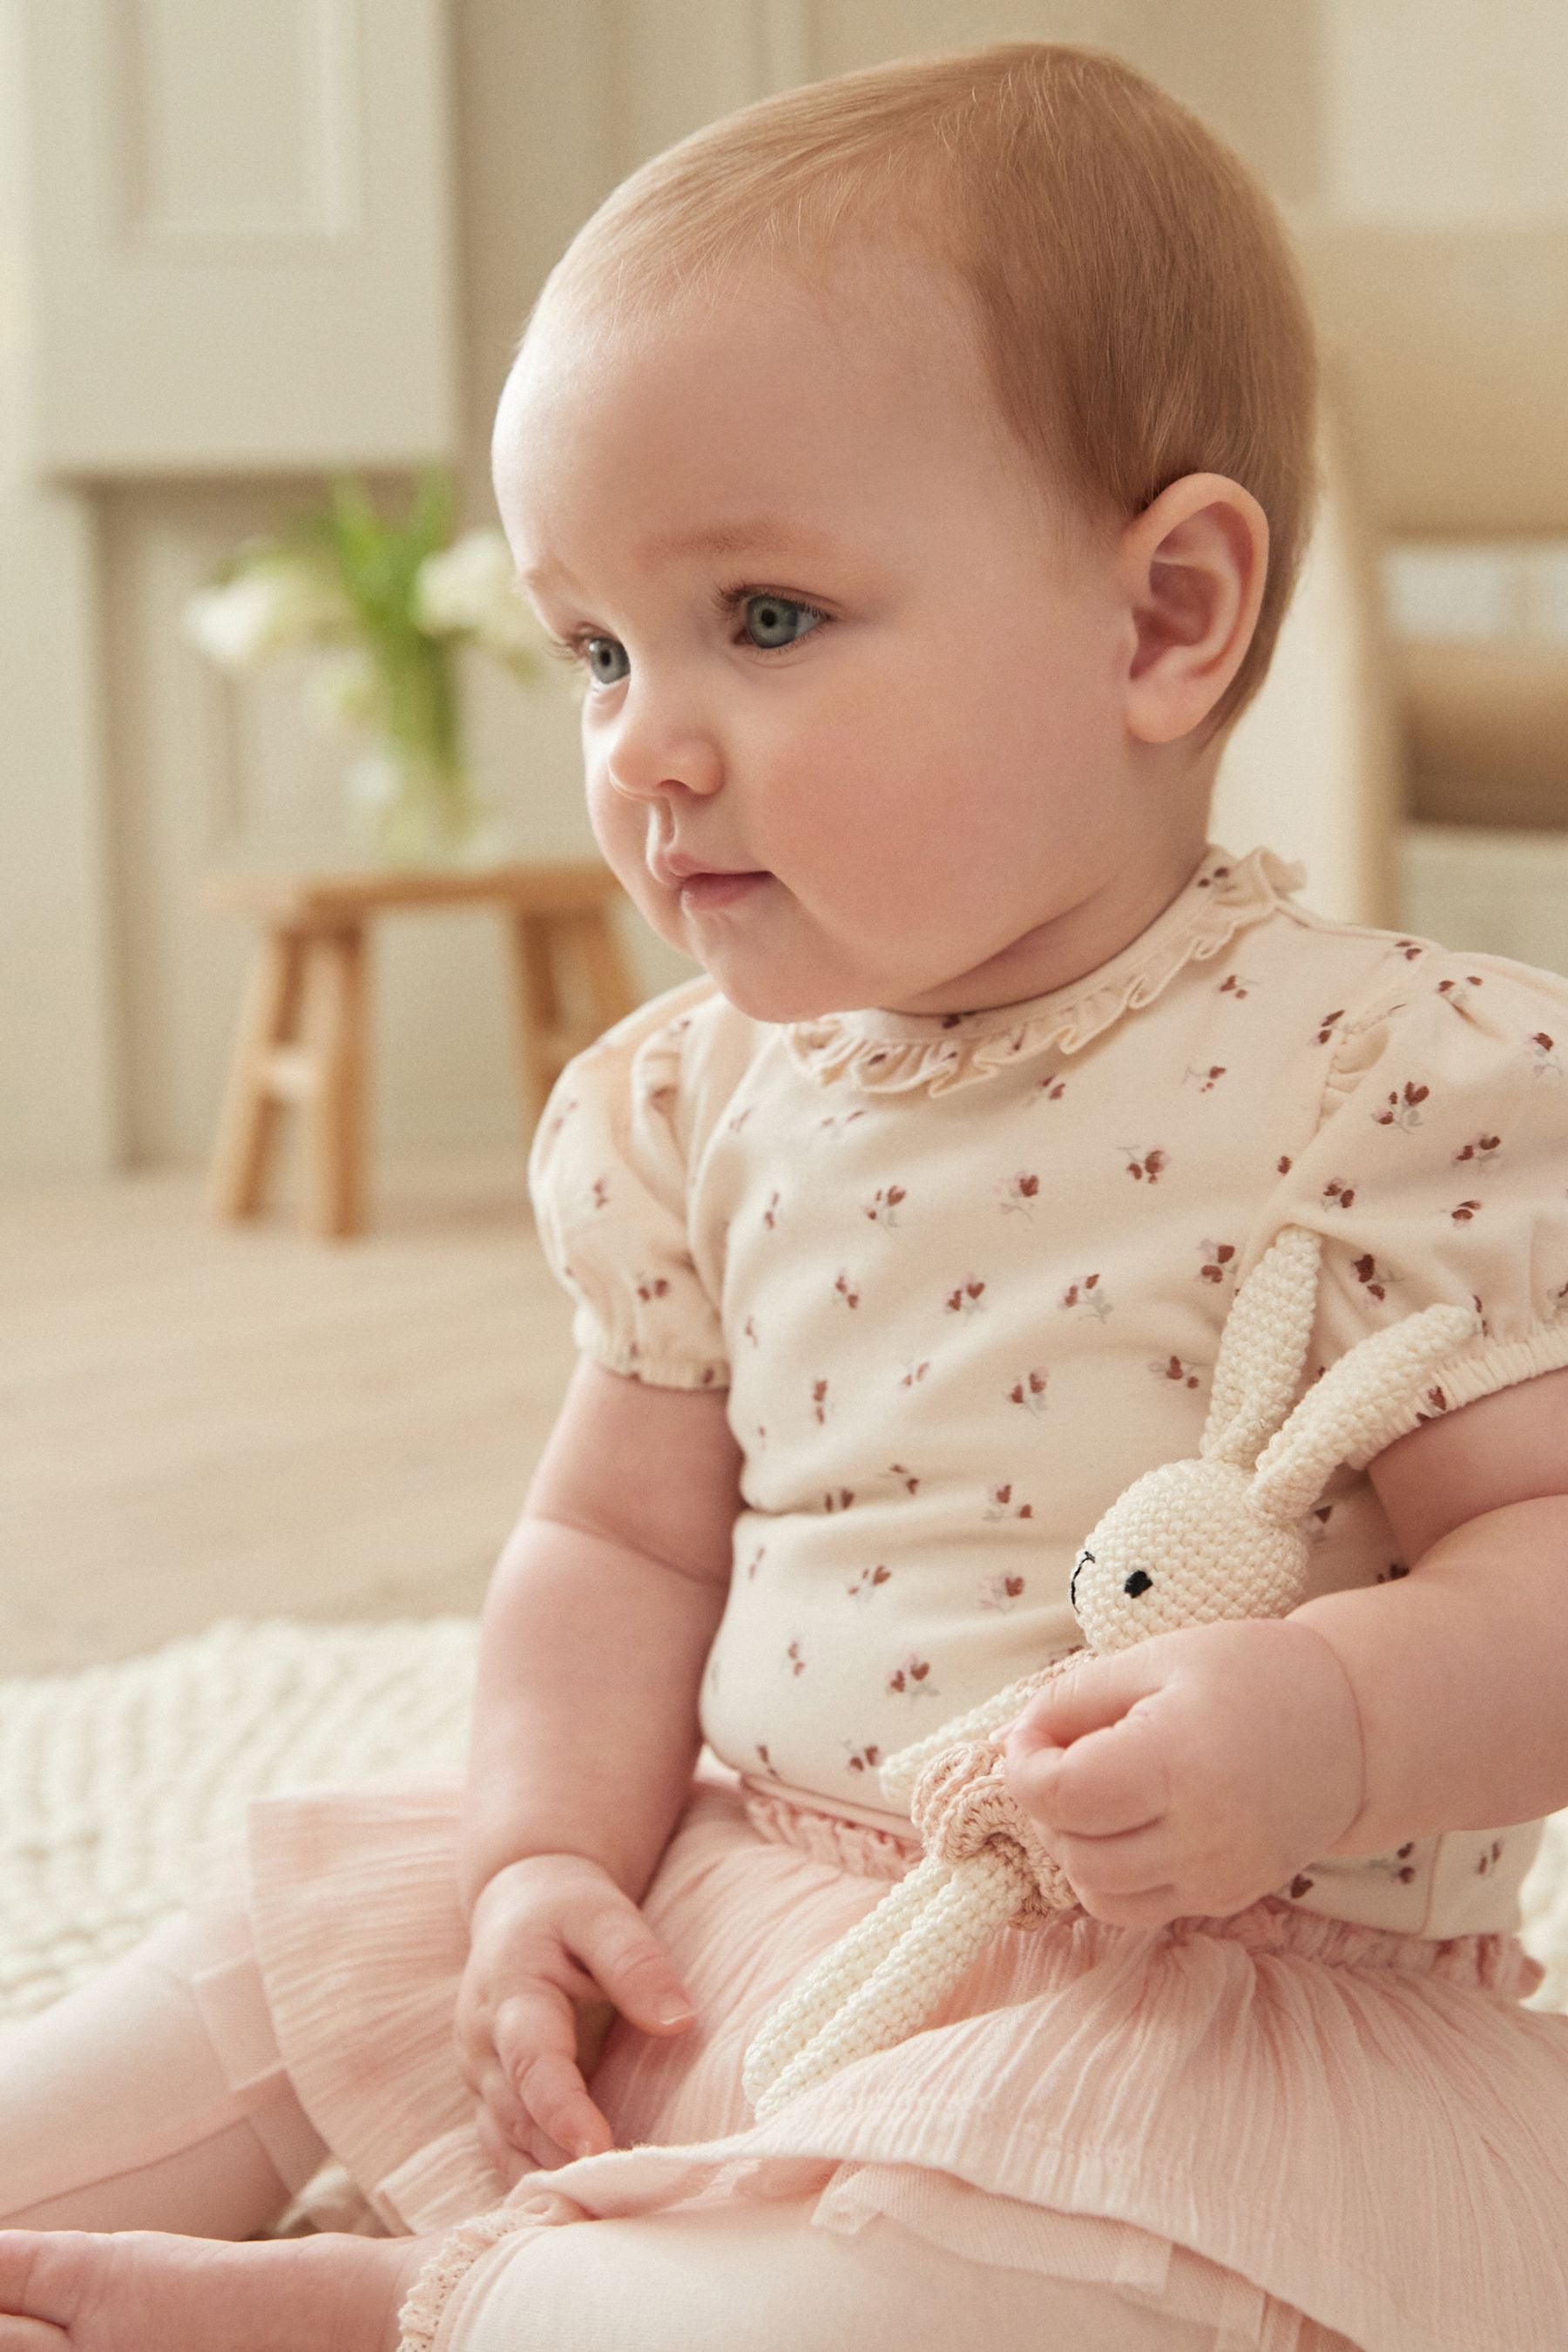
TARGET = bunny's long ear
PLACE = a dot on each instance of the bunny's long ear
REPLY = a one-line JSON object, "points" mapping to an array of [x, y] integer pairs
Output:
{"points": [[1356, 1409], [1262, 1349]]}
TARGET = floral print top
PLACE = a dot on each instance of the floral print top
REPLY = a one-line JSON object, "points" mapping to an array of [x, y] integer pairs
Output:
{"points": [[963, 1276]]}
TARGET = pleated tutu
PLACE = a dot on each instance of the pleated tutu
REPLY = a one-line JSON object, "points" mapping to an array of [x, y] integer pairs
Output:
{"points": [[1296, 2127]]}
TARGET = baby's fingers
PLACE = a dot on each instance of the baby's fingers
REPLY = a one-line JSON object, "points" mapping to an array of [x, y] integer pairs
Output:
{"points": [[536, 2043]]}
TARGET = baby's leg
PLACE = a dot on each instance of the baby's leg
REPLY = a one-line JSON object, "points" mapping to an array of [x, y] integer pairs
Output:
{"points": [[116, 2113], [752, 2277]]}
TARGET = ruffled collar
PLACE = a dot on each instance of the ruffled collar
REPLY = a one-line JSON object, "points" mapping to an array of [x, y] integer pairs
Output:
{"points": [[893, 1052]]}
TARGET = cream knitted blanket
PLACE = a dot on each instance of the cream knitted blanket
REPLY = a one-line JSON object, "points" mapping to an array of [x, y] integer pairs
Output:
{"points": [[108, 1777]]}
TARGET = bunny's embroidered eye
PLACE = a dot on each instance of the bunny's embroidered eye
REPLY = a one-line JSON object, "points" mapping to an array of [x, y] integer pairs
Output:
{"points": [[1137, 1584], [1072, 1588]]}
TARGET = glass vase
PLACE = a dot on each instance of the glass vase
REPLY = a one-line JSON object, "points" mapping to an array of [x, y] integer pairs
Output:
{"points": [[415, 809]]}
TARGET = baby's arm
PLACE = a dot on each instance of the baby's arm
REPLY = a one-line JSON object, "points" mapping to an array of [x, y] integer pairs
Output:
{"points": [[595, 1631], [1460, 1669]]}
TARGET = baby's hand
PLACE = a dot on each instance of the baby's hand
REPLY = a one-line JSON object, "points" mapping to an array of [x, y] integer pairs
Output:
{"points": [[1191, 1773], [550, 1937]]}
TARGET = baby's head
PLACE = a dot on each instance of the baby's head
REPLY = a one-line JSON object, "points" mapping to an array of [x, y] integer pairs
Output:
{"points": [[919, 464]]}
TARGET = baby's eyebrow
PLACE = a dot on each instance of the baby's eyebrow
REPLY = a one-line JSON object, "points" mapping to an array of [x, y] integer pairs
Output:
{"points": [[746, 534]]}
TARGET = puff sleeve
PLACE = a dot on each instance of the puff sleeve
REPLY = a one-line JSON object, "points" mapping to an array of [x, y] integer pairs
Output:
{"points": [[607, 1178], [1438, 1173]]}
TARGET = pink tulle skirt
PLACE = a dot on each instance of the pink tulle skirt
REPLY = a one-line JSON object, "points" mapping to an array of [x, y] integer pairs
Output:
{"points": [[1296, 2127]]}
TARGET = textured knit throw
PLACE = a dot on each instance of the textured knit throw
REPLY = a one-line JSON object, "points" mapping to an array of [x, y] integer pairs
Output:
{"points": [[1219, 1536]]}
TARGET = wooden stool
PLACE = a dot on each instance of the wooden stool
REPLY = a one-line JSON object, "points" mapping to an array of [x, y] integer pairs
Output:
{"points": [[303, 1034]]}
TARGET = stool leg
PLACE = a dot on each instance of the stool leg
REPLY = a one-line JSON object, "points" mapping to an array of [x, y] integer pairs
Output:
{"points": [[538, 1022], [335, 1203], [247, 1123], [610, 981]]}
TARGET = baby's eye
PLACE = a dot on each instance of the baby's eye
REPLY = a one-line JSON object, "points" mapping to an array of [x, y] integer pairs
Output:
{"points": [[774, 621], [594, 652]]}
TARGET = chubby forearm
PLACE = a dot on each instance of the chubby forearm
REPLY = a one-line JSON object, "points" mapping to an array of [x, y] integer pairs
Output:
{"points": [[1459, 1672], [585, 1730]]}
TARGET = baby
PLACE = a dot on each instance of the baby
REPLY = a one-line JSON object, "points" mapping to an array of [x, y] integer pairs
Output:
{"points": [[916, 467]]}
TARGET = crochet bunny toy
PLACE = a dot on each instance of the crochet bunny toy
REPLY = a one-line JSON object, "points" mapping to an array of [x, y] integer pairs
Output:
{"points": [[1221, 1536]]}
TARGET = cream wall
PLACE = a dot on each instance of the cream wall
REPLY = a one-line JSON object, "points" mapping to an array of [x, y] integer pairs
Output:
{"points": [[128, 768]]}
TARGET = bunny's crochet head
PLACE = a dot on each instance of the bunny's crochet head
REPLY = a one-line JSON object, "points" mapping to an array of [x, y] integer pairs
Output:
{"points": [[1224, 1535]]}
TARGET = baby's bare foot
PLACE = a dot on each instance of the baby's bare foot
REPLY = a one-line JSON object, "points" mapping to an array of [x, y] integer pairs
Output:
{"points": [[148, 2291]]}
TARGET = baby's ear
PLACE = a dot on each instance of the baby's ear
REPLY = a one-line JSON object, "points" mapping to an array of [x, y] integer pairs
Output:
{"points": [[1263, 1348], [1194, 566]]}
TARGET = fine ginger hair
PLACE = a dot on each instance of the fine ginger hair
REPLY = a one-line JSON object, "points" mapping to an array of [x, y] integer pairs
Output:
{"points": [[1135, 298]]}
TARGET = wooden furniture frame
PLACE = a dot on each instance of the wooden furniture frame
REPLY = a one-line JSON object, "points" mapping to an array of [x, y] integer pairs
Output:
{"points": [[303, 1036]]}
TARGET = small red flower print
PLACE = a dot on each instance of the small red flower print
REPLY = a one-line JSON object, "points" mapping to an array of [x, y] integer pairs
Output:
{"points": [[1030, 1390], [1300, 1884], [1327, 1025], [1366, 1271], [796, 1658], [1490, 1859], [913, 1678], [1086, 1294], [655, 1288], [1480, 1148], [769, 1217], [867, 1581], [561, 1118], [863, 1759], [1053, 1089], [1396, 1567], [1546, 1061], [1217, 1257], [1481, 1310], [1410, 949], [749, 1330], [884, 1201], [1001, 1506], [1152, 1164], [966, 1299], [738, 1118], [841, 1289], [838, 1499], [1174, 1369], [1402, 1109], [1457, 992], [768, 1764], [900, 1470], [1206, 1078], [1015, 1193], [1231, 986], [836, 1121], [916, 1374], [1439, 1402], [819, 1400], [1207, 881], [601, 1192], [1465, 1212], [1282, 1165], [1337, 1189], [1001, 1593], [755, 1561], [710, 1376]]}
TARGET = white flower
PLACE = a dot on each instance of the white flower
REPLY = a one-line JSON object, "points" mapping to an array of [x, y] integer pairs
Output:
{"points": [[472, 587], [262, 610]]}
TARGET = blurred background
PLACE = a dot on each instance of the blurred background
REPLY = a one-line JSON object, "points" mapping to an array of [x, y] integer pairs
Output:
{"points": [[247, 250]]}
